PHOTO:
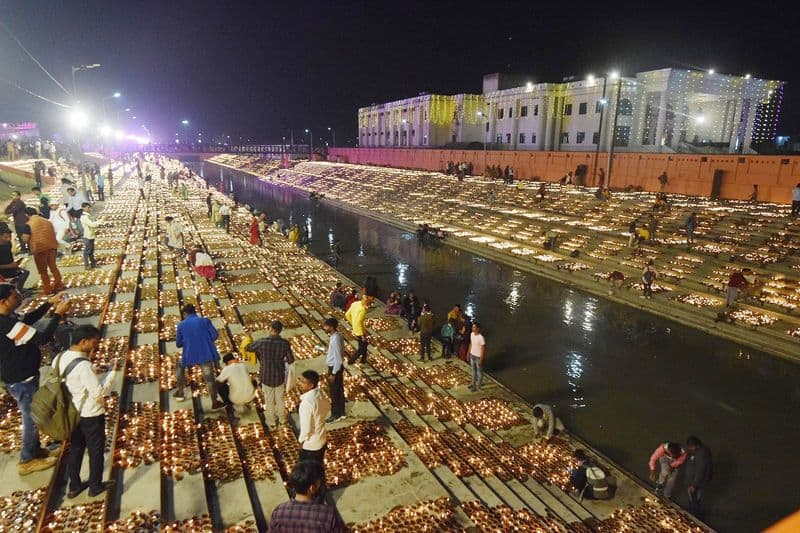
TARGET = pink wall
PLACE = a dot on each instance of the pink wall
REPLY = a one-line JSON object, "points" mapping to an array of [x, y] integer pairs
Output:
{"points": [[688, 173]]}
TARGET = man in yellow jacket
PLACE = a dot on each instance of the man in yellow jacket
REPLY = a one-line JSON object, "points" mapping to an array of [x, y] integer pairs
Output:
{"points": [[356, 314]]}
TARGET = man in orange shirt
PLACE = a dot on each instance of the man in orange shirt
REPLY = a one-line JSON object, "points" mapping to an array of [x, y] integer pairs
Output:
{"points": [[41, 237]]}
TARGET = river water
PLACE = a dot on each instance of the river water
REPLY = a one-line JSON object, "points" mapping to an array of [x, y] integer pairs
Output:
{"points": [[623, 379]]}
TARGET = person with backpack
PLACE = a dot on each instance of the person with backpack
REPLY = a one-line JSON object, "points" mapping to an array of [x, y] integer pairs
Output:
{"points": [[648, 277], [20, 359], [87, 393]]}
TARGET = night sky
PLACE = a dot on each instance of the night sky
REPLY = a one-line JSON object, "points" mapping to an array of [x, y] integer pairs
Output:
{"points": [[261, 69]]}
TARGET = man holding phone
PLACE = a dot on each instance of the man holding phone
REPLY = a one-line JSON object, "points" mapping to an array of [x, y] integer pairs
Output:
{"points": [[9, 268], [20, 359]]}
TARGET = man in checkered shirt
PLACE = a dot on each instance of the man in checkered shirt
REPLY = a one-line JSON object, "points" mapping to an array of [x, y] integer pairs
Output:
{"points": [[305, 514], [274, 353]]}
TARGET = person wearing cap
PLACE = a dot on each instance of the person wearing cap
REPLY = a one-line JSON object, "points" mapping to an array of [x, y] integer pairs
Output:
{"points": [[89, 225], [274, 355], [41, 237], [196, 336], [20, 359]]}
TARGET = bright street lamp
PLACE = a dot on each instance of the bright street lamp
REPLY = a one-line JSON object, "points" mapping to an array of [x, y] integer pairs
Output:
{"points": [[311, 143], [78, 68], [334, 135], [78, 118], [185, 122]]}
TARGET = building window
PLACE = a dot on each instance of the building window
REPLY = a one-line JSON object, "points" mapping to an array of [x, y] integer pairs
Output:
{"points": [[622, 136], [625, 107], [454, 138], [567, 109], [487, 127], [500, 112], [510, 112], [413, 133], [596, 137], [598, 106], [564, 138], [508, 138], [521, 138], [499, 138], [523, 111], [533, 138], [536, 110], [579, 137], [582, 108]]}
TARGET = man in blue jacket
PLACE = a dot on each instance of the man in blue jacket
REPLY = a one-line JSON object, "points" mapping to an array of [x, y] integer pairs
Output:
{"points": [[196, 335]]}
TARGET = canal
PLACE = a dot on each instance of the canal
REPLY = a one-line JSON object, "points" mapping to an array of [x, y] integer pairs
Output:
{"points": [[622, 379]]}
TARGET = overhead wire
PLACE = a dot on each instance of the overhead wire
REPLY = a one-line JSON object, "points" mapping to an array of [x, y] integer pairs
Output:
{"points": [[21, 88], [30, 55]]}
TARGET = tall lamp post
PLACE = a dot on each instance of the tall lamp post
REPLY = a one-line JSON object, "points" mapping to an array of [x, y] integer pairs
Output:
{"points": [[105, 114], [311, 143], [613, 132], [603, 104], [333, 131], [485, 125], [78, 68], [185, 123]]}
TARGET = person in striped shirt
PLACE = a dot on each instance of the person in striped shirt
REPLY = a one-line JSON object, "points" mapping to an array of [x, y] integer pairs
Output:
{"points": [[20, 360]]}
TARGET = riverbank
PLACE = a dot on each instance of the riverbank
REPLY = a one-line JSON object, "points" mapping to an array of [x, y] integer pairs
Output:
{"points": [[690, 281], [427, 445]]}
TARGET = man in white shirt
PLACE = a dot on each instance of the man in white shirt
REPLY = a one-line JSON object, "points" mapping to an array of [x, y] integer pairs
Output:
{"points": [[74, 200], [87, 394], [235, 384], [174, 234], [225, 214], [89, 224], [477, 351], [314, 409]]}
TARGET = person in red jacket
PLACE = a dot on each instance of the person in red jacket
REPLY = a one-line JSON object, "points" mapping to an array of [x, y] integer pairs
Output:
{"points": [[736, 282], [664, 464]]}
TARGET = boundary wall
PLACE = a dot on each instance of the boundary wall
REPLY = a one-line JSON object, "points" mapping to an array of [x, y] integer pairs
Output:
{"points": [[691, 174]]}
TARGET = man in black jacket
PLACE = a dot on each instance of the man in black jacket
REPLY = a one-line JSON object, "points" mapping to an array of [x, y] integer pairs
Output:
{"points": [[698, 472], [20, 360]]}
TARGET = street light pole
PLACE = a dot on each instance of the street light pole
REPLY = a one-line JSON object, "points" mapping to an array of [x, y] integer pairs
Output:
{"points": [[333, 131], [105, 115], [613, 133], [311, 143], [600, 131], [77, 69]]}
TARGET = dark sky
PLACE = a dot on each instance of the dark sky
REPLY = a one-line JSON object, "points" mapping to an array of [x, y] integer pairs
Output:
{"points": [[260, 69]]}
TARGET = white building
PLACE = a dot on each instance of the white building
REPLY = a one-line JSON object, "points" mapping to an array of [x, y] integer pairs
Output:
{"points": [[667, 110]]}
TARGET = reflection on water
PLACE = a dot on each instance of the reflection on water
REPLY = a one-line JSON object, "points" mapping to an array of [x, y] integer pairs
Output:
{"points": [[621, 378]]}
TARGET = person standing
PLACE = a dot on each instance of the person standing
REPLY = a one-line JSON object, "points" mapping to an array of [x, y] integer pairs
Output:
{"points": [[448, 334], [274, 354], [426, 324], [140, 181], [17, 210], [662, 181], [87, 395], [196, 336], [691, 223], [37, 174], [110, 178], [20, 360], [664, 464], [255, 234], [306, 513], [648, 277], [209, 204], [335, 362], [313, 411], [225, 216], [601, 178], [41, 237], [477, 353], [89, 225], [796, 200], [698, 472], [356, 314], [100, 185]]}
